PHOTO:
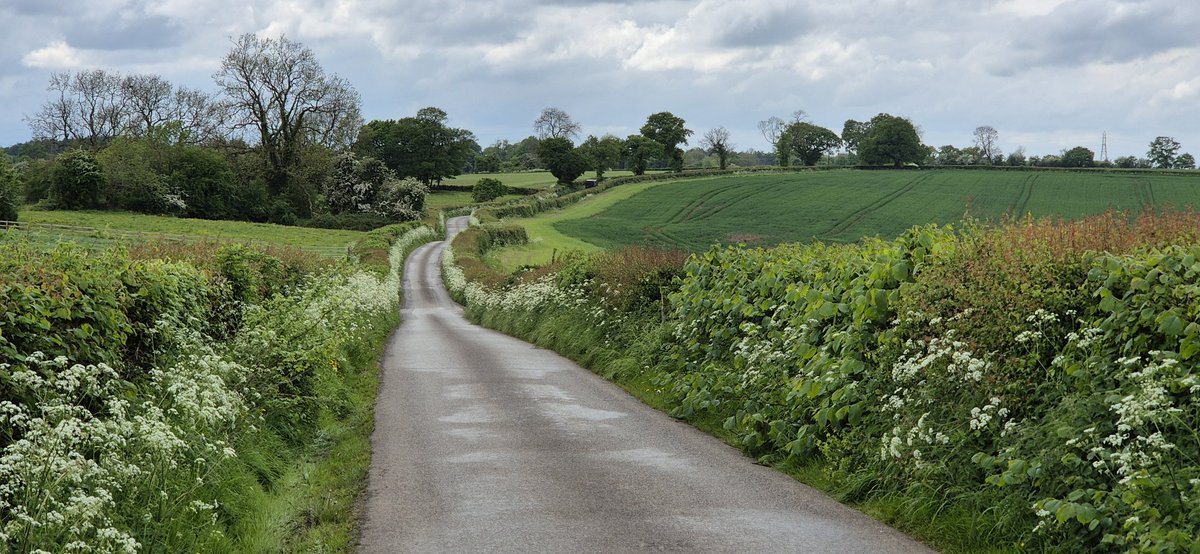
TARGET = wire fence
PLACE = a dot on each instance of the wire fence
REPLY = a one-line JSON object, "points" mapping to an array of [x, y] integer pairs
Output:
{"points": [[100, 238]]}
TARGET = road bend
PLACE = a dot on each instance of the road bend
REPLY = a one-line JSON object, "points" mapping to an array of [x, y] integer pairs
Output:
{"points": [[485, 443]]}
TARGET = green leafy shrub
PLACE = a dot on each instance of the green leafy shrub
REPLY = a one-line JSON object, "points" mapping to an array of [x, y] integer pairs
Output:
{"points": [[163, 436], [78, 181], [10, 190], [1035, 380], [488, 189]]}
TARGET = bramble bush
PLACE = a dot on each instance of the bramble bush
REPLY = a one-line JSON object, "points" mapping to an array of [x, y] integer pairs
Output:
{"points": [[1031, 385], [129, 423]]}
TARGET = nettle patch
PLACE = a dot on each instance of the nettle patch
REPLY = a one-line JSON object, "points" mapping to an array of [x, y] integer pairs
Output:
{"points": [[1039, 376]]}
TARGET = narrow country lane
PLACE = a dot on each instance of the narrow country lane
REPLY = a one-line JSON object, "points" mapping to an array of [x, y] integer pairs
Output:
{"points": [[485, 443]]}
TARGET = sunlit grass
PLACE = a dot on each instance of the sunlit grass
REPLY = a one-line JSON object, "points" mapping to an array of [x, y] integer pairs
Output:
{"points": [[281, 235], [546, 241]]}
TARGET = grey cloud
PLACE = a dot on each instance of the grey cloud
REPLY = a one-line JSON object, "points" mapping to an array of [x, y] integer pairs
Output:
{"points": [[127, 32], [768, 28], [1079, 32]]}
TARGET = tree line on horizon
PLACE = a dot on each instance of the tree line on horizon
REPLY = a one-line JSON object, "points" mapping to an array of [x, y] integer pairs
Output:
{"points": [[284, 141]]}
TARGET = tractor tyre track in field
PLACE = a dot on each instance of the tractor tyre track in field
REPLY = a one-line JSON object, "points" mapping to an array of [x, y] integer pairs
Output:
{"points": [[1026, 192], [858, 215], [485, 443], [686, 212]]}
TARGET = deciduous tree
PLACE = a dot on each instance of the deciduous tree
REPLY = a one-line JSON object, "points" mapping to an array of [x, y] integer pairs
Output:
{"points": [[78, 181], [716, 141], [1185, 161], [1077, 157], [669, 131], [562, 159], [423, 147], [1162, 152], [602, 153], [852, 134], [555, 123], [771, 128], [279, 90], [891, 140], [638, 152], [809, 142], [986, 138]]}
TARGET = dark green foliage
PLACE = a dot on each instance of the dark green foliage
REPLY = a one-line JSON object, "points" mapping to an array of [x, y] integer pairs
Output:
{"points": [[10, 190], [602, 153], [204, 180], [488, 189], [669, 131], [1078, 157], [496, 236], [890, 140], [421, 147], [853, 133], [1162, 152], [562, 159], [1038, 376], [78, 181], [348, 221], [638, 152], [355, 182], [809, 142], [38, 178]]}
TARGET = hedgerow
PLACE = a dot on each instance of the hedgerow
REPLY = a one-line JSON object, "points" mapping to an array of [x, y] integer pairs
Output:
{"points": [[1031, 385], [137, 414]]}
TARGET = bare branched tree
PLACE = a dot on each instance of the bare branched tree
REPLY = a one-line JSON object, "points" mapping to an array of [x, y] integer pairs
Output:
{"points": [[555, 123], [149, 100], [277, 88], [90, 107], [771, 128], [716, 141], [985, 139], [56, 120]]}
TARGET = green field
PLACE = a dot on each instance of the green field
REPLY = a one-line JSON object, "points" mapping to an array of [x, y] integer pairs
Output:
{"points": [[842, 206], [107, 227], [545, 240], [442, 199]]}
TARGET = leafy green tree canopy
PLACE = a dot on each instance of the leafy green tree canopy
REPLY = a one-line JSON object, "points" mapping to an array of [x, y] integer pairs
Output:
{"points": [[891, 140], [638, 152], [809, 142], [852, 133], [1078, 157], [1162, 152], [602, 153], [1185, 161], [422, 147], [562, 159], [669, 131]]}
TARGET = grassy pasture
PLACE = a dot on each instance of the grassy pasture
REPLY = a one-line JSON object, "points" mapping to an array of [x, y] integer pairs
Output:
{"points": [[442, 199], [545, 239], [844, 206], [108, 227]]}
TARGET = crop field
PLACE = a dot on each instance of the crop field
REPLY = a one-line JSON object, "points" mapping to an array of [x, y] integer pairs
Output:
{"points": [[844, 206]]}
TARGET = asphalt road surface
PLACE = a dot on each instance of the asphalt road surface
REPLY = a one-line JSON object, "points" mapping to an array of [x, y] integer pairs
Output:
{"points": [[485, 443]]}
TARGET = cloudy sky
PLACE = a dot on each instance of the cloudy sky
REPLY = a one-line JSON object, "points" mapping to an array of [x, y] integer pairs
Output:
{"points": [[1047, 74]]}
